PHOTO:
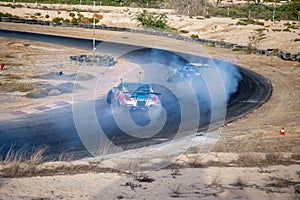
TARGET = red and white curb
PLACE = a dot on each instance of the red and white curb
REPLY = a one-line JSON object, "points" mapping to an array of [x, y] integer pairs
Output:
{"points": [[41, 108]]}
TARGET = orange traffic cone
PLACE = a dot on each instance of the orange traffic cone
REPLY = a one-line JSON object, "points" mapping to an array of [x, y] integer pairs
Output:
{"points": [[282, 131]]}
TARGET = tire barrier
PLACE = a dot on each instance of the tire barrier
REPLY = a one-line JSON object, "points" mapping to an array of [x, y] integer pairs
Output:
{"points": [[89, 60], [268, 52]]}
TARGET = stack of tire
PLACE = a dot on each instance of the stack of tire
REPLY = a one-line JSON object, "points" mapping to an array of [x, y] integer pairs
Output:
{"points": [[89, 60]]}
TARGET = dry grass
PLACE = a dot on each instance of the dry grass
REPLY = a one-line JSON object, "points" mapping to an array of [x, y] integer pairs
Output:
{"points": [[28, 164], [9, 77], [281, 181], [216, 180], [107, 147], [16, 86], [240, 182], [251, 159], [176, 191], [21, 163]]}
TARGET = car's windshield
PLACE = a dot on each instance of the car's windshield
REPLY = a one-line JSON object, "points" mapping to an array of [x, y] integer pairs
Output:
{"points": [[136, 87]]}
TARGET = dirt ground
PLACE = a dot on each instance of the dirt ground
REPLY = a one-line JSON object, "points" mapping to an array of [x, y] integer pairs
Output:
{"points": [[218, 176], [281, 35]]}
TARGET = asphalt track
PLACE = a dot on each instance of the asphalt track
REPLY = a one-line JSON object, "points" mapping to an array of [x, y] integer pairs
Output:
{"points": [[56, 128]]}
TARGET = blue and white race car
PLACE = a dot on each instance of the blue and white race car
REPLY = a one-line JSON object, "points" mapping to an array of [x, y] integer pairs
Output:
{"points": [[186, 72], [133, 95]]}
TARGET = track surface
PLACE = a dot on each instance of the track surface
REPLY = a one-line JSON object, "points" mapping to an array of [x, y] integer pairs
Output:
{"points": [[56, 128]]}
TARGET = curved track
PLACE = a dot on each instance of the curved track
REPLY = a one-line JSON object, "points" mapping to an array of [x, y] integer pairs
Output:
{"points": [[56, 129]]}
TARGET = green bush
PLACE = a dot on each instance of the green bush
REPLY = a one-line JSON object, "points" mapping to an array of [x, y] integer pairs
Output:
{"points": [[57, 20], [75, 20], [194, 36], [237, 49], [91, 20], [241, 23], [292, 27], [66, 20], [260, 29], [151, 20], [297, 40], [5, 14], [184, 31], [72, 15], [80, 15], [259, 23]]}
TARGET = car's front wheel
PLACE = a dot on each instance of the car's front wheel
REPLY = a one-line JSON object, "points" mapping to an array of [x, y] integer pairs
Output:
{"points": [[109, 97]]}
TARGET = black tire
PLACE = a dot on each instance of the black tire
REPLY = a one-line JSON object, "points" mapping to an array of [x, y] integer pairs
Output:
{"points": [[109, 97]]}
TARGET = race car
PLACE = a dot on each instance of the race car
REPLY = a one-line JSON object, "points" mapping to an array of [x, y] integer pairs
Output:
{"points": [[133, 95], [186, 72]]}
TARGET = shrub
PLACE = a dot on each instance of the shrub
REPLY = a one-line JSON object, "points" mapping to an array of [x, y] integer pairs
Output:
{"points": [[5, 14], [57, 20], [184, 31], [47, 16], [237, 49], [286, 30], [276, 30], [66, 20], [194, 36], [241, 23], [80, 15], [292, 27], [74, 20], [259, 23], [259, 29], [297, 40], [72, 15], [151, 20], [91, 20]]}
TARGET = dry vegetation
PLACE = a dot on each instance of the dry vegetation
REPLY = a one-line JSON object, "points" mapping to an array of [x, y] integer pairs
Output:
{"points": [[29, 164]]}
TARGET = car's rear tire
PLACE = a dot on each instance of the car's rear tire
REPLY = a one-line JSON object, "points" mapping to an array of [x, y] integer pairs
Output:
{"points": [[109, 97]]}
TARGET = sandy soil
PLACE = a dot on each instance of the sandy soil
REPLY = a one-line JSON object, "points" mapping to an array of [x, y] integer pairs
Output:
{"points": [[270, 35], [256, 132]]}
